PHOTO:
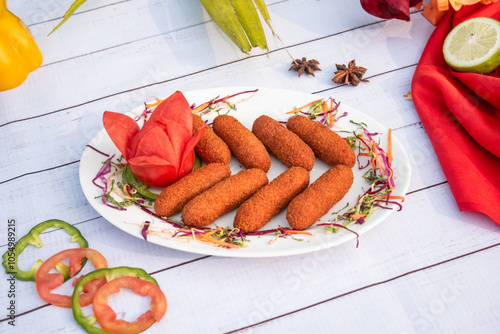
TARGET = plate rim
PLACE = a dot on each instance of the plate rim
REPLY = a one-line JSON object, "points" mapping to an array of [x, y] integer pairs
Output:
{"points": [[216, 251]]}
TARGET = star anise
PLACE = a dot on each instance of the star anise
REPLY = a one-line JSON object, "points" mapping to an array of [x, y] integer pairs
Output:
{"points": [[350, 74], [304, 65]]}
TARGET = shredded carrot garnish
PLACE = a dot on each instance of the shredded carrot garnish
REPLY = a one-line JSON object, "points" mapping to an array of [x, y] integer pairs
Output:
{"points": [[390, 197], [217, 241], [200, 107], [286, 230], [358, 215], [210, 233], [300, 108], [154, 104], [125, 189]]}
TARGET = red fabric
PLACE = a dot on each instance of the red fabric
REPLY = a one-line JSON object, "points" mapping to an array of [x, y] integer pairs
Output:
{"points": [[461, 114]]}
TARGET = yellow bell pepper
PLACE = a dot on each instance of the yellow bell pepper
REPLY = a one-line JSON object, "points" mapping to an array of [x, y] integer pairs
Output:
{"points": [[19, 54]]}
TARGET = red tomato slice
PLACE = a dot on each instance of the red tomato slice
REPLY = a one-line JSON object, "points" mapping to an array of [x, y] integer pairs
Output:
{"points": [[46, 282], [121, 129], [107, 317]]}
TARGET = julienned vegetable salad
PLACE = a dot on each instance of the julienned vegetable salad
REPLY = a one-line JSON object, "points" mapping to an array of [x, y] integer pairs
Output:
{"points": [[96, 285], [370, 156]]}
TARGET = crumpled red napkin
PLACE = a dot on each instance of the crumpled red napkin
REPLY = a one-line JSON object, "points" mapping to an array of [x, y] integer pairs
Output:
{"points": [[461, 114]]}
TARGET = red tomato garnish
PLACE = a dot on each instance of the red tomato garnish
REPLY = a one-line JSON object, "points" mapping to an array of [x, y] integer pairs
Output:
{"points": [[163, 150], [107, 317]]}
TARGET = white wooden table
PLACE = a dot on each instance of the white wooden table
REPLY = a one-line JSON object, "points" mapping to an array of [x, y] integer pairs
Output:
{"points": [[426, 269]]}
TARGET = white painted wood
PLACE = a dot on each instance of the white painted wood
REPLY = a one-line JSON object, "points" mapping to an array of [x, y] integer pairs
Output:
{"points": [[426, 269]]}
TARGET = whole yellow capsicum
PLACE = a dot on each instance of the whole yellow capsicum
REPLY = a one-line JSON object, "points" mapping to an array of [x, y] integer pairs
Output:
{"points": [[19, 54]]}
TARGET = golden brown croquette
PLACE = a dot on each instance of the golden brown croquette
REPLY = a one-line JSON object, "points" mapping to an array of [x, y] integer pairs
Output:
{"points": [[314, 202], [224, 197], [326, 144], [245, 146], [285, 145], [173, 198], [211, 148], [271, 199]]}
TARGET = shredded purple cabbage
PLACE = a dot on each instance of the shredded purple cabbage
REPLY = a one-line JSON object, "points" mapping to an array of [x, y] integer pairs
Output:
{"points": [[144, 230], [95, 149]]}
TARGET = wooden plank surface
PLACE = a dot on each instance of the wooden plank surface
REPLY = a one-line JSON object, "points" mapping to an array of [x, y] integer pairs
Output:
{"points": [[426, 269]]}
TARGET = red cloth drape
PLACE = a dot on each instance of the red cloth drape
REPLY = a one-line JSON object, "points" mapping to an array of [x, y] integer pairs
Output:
{"points": [[461, 114]]}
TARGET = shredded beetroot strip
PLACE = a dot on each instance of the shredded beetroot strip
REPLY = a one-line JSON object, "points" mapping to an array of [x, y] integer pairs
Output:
{"points": [[144, 230], [95, 149], [174, 224]]}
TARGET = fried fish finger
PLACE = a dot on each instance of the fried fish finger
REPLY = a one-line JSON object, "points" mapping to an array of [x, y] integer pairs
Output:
{"points": [[211, 148], [315, 202], [285, 145], [224, 197], [245, 146], [173, 198], [271, 199], [326, 144]]}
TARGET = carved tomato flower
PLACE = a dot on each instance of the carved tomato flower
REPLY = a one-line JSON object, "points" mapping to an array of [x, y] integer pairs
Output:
{"points": [[162, 151]]}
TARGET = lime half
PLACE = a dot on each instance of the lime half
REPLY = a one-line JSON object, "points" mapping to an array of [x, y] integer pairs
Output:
{"points": [[474, 46]]}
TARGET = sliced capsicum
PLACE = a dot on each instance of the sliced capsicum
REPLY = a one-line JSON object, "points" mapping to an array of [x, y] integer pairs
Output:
{"points": [[46, 281], [19, 54], [136, 279], [106, 317], [33, 238]]}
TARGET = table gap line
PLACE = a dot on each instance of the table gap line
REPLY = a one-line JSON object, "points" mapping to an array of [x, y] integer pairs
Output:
{"points": [[366, 287], [77, 13], [39, 171], [173, 79]]}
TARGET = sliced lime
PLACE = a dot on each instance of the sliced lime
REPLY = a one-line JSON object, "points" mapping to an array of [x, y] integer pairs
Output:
{"points": [[474, 46]]}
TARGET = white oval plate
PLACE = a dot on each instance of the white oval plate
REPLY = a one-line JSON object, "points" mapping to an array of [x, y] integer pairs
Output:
{"points": [[274, 103]]}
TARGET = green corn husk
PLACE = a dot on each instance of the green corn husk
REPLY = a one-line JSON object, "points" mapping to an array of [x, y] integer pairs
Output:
{"points": [[68, 13], [240, 21]]}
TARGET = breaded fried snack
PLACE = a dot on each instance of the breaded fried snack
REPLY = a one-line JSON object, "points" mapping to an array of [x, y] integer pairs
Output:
{"points": [[271, 199], [247, 148], [173, 198], [283, 143], [224, 197], [315, 202], [326, 144], [211, 148]]}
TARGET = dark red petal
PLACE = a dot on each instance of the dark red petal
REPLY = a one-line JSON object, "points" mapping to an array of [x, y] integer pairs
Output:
{"points": [[388, 9], [121, 129]]}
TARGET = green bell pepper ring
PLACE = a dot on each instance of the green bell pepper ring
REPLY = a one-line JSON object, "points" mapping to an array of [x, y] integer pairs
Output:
{"points": [[142, 189], [88, 322], [197, 162], [33, 238]]}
